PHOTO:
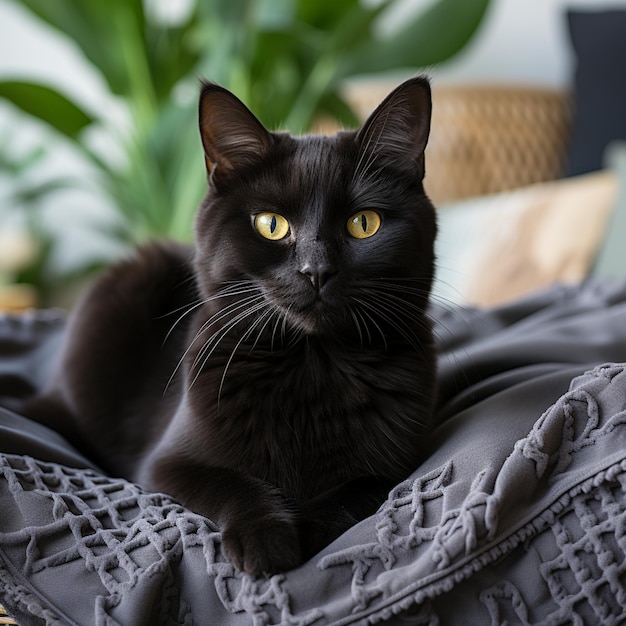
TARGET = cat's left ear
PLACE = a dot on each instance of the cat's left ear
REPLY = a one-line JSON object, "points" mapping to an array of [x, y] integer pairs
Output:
{"points": [[399, 127], [232, 137]]}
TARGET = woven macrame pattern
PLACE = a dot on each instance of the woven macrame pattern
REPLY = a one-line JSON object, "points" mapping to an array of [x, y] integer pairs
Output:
{"points": [[540, 539], [581, 532], [126, 535]]}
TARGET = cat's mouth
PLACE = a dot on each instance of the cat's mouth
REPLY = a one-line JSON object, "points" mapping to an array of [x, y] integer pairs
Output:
{"points": [[315, 318], [306, 311]]}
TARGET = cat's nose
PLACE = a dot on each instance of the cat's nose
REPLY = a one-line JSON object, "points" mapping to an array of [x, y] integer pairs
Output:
{"points": [[319, 275]]}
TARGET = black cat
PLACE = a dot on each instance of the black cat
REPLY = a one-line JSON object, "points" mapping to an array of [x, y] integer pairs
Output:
{"points": [[279, 377]]}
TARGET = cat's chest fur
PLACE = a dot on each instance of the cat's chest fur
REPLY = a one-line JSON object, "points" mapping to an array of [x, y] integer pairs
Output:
{"points": [[292, 414]]}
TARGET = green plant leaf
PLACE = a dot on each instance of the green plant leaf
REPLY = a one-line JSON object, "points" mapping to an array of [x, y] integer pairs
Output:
{"points": [[48, 105], [431, 37], [352, 27], [131, 52], [335, 106], [325, 14], [33, 193], [91, 24]]}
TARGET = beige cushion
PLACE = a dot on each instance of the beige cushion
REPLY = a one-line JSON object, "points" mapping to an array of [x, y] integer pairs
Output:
{"points": [[497, 248]]}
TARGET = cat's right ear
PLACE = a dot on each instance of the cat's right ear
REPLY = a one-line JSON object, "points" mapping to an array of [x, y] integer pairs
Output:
{"points": [[232, 136], [397, 131]]}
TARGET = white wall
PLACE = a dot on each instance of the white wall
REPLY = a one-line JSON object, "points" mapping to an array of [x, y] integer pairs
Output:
{"points": [[521, 41]]}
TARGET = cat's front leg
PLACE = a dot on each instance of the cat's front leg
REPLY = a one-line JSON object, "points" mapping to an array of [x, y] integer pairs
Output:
{"points": [[259, 524]]}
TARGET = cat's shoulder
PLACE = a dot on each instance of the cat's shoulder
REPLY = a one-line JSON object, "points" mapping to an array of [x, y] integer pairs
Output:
{"points": [[152, 265], [155, 279]]}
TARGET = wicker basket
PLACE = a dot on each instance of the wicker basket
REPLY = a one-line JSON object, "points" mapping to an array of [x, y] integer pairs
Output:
{"points": [[486, 139]]}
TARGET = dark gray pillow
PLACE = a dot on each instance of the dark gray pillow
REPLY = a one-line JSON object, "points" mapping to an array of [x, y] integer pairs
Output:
{"points": [[599, 42]]}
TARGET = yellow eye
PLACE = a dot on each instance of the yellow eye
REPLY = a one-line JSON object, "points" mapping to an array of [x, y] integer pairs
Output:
{"points": [[271, 226], [364, 224]]}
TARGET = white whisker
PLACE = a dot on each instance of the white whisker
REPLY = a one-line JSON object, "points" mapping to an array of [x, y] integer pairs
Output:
{"points": [[207, 350], [373, 321], [232, 290], [189, 310], [392, 318], [247, 334], [358, 326]]}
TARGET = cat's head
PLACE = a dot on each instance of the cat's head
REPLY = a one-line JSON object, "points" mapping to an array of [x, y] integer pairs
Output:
{"points": [[327, 235]]}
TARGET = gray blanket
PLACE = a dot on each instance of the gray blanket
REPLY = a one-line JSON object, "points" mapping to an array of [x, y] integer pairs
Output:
{"points": [[517, 517]]}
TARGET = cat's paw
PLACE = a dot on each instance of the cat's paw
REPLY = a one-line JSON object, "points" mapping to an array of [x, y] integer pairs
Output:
{"points": [[262, 546]]}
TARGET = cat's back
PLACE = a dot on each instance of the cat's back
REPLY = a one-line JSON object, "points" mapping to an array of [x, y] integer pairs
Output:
{"points": [[113, 389]]}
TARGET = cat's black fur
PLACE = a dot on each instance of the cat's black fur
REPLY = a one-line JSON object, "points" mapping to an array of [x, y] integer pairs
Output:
{"points": [[277, 387]]}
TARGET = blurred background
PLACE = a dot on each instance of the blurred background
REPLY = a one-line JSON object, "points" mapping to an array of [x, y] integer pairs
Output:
{"points": [[99, 147]]}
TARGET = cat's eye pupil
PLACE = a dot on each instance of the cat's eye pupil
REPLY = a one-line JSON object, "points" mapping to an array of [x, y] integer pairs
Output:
{"points": [[364, 224], [272, 226]]}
